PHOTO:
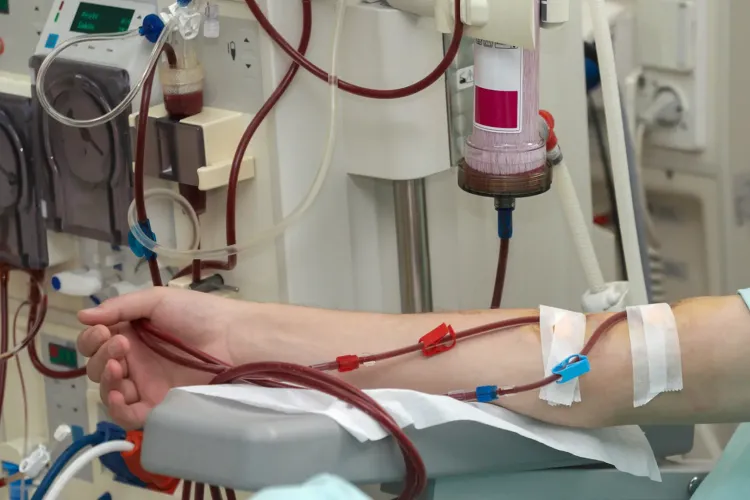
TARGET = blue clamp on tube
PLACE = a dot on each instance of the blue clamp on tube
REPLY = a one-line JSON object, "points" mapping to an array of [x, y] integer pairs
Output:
{"points": [[486, 393], [505, 223], [136, 247], [572, 368], [151, 28]]}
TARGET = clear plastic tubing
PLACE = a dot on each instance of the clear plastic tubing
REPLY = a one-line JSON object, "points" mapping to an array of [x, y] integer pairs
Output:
{"points": [[505, 154], [120, 108]]}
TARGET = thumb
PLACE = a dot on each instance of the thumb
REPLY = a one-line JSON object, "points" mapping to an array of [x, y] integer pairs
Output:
{"points": [[128, 307]]}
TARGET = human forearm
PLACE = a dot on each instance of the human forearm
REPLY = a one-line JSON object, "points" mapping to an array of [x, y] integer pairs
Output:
{"points": [[714, 366]]}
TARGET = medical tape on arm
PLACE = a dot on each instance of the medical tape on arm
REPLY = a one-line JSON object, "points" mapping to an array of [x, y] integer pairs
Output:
{"points": [[655, 350], [563, 334]]}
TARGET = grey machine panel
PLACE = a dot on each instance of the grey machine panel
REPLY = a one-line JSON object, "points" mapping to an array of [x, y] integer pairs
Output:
{"points": [[23, 236], [86, 173], [229, 444]]}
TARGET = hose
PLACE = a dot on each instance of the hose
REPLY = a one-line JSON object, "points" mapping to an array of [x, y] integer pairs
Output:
{"points": [[82, 461], [125, 104], [579, 229], [66, 456]]}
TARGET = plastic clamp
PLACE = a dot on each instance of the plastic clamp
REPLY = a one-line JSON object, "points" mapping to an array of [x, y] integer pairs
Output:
{"points": [[132, 459], [433, 342], [572, 368], [136, 247], [36, 462], [347, 363], [486, 393], [151, 28]]}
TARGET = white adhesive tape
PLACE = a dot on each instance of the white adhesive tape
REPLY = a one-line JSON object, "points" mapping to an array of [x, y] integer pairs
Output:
{"points": [[655, 349], [563, 334]]}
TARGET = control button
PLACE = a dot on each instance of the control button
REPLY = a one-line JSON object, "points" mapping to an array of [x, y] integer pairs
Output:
{"points": [[51, 41], [2, 46]]}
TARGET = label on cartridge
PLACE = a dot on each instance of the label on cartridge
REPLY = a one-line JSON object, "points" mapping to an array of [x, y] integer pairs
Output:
{"points": [[498, 87]]}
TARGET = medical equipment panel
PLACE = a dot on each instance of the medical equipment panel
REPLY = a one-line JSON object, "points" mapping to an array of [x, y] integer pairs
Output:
{"points": [[21, 24], [86, 172], [22, 237]]}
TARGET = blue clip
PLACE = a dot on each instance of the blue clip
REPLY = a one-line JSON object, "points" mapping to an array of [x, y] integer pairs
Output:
{"points": [[136, 247], [151, 28], [572, 368], [486, 393]]}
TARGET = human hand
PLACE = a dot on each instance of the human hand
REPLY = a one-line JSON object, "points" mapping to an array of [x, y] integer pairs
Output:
{"points": [[133, 379]]}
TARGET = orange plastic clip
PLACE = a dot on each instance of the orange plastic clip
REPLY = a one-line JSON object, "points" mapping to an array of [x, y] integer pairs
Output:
{"points": [[434, 342], [132, 459]]}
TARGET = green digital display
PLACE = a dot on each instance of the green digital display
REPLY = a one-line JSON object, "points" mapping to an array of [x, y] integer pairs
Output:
{"points": [[93, 18], [61, 355], [4, 7]]}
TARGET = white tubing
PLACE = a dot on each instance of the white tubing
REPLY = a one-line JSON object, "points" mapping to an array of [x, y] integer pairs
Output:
{"points": [[618, 152], [82, 461], [579, 229]]}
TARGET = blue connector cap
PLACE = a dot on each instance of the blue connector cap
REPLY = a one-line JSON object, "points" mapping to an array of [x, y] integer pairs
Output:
{"points": [[505, 223], [151, 28], [110, 432], [114, 462], [139, 250], [572, 368], [486, 393]]}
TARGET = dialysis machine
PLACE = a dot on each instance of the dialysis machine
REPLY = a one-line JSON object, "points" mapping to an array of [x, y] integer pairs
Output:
{"points": [[390, 231]]}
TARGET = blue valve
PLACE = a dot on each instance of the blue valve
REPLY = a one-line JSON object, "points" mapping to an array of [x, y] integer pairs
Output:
{"points": [[151, 28]]}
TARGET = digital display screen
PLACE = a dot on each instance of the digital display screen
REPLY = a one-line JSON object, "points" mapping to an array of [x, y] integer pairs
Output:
{"points": [[61, 355], [93, 18], [4, 7]]}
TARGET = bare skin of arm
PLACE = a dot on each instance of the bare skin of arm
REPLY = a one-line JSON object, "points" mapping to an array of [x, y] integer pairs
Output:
{"points": [[714, 337]]}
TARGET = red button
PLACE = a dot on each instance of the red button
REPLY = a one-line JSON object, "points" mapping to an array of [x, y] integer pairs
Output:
{"points": [[2, 46]]}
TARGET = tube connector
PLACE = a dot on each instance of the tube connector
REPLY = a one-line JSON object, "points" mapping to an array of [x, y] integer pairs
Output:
{"points": [[151, 28], [612, 298], [505, 207], [554, 152]]}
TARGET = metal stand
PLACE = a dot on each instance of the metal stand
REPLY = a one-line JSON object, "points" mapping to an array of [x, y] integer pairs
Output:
{"points": [[413, 246]]}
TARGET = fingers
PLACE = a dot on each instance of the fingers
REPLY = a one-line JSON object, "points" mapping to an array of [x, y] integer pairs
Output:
{"points": [[115, 378], [130, 416], [92, 339], [129, 307], [116, 348]]}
